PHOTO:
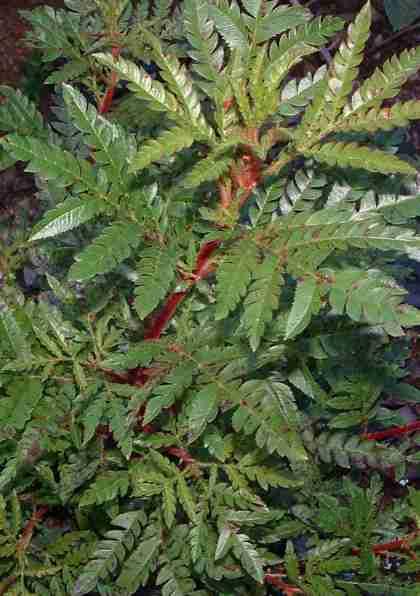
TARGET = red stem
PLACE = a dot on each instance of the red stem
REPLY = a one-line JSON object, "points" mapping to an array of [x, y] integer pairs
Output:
{"points": [[106, 102], [276, 580], [201, 270], [392, 545], [28, 530], [395, 431]]}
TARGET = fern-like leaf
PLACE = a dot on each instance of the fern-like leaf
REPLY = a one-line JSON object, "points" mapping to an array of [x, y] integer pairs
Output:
{"points": [[246, 552], [291, 48], [111, 551], [262, 300], [353, 155], [53, 163], [345, 67], [157, 270], [105, 137], [181, 84], [70, 214], [306, 303], [233, 277], [385, 82], [142, 84], [202, 36], [166, 145], [110, 249]]}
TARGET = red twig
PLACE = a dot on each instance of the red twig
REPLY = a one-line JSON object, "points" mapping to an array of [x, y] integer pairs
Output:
{"points": [[202, 268], [5, 584], [109, 94], [398, 544], [181, 454], [28, 530], [390, 433], [163, 317], [276, 580]]}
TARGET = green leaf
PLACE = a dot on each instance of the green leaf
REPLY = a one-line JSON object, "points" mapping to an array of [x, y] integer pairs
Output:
{"points": [[157, 270], [112, 247], [230, 26], [186, 498], [169, 143], [279, 20], [11, 329], [234, 276], [402, 13], [105, 137], [262, 299], [70, 214], [110, 551], [120, 426], [141, 83], [385, 82], [249, 557], [23, 396], [224, 543], [53, 163], [208, 169], [181, 84], [306, 296], [138, 566], [345, 66], [202, 36], [18, 114], [169, 391], [108, 486], [301, 42], [203, 409], [352, 155]]}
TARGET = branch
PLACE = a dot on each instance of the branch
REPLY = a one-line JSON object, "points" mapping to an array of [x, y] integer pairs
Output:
{"points": [[397, 544], [390, 433], [6, 583], [28, 530], [275, 579], [109, 94]]}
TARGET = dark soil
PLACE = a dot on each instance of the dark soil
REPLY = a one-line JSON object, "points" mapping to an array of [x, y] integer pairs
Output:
{"points": [[16, 188]]}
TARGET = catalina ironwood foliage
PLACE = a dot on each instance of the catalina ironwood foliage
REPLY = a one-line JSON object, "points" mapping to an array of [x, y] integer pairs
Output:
{"points": [[204, 404]]}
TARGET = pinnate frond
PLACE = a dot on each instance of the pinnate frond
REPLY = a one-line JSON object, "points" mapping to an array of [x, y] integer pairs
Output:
{"points": [[112, 247], [157, 270], [353, 155]]}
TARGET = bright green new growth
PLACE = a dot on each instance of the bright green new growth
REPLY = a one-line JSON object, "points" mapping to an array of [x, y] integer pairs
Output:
{"points": [[197, 464]]}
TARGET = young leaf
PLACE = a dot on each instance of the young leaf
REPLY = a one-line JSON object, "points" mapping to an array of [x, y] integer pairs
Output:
{"points": [[262, 299], [234, 276], [70, 214], [111, 248], [157, 270], [303, 305]]}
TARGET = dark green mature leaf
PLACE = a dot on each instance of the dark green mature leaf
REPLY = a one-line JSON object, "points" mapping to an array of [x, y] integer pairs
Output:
{"points": [[262, 300], [68, 215], [305, 302], [107, 251], [23, 396], [203, 409], [402, 12], [234, 276], [53, 163], [157, 270]]}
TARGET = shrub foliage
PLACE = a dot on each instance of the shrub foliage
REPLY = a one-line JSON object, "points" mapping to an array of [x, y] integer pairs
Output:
{"points": [[190, 406]]}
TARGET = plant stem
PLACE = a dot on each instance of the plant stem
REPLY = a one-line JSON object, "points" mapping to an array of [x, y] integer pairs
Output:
{"points": [[28, 530], [6, 583], [390, 433], [106, 102], [393, 545], [276, 580]]}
